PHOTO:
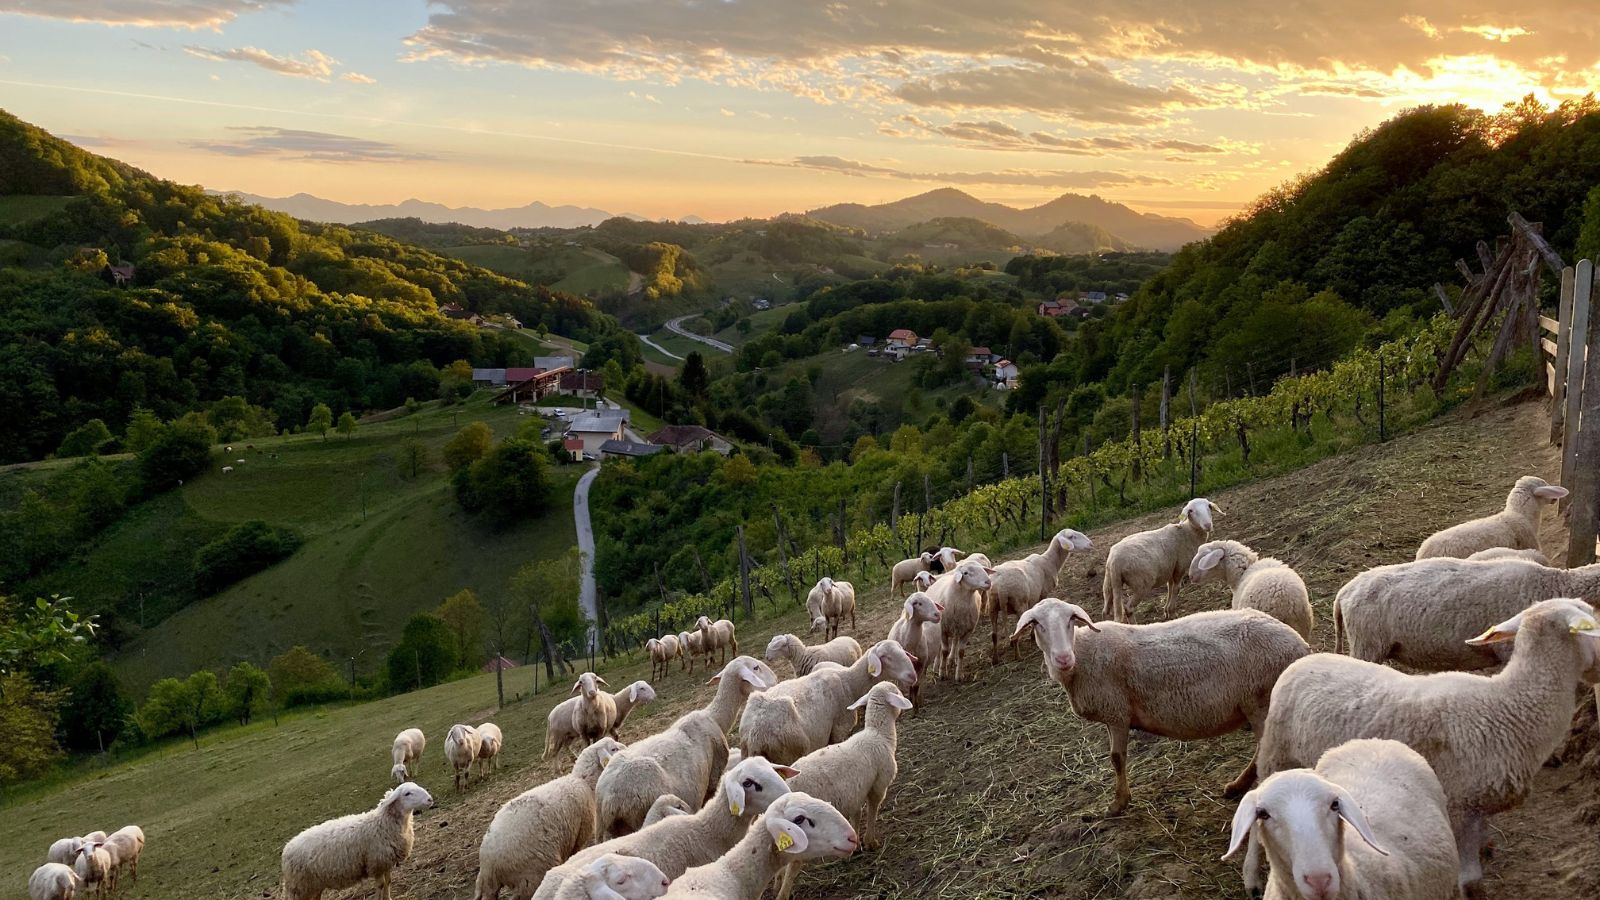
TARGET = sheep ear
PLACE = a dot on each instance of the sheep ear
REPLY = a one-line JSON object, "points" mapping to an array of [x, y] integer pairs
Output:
{"points": [[601, 680], [576, 685], [735, 790], [750, 675], [1209, 559], [1215, 509], [1505, 631], [787, 836], [1243, 818], [1551, 492], [1083, 621], [715, 679], [874, 663], [1582, 623], [1024, 622], [1350, 811], [987, 570], [898, 701], [633, 693], [859, 703], [598, 867], [786, 772]]}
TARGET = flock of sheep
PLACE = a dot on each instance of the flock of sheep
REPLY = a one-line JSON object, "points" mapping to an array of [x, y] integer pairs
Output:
{"points": [[93, 862]]}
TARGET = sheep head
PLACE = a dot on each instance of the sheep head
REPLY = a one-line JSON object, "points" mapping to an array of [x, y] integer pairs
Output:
{"points": [[888, 661], [1573, 616], [1301, 816], [406, 799], [1073, 541], [753, 784], [1199, 513], [804, 827], [616, 877], [1052, 621]]}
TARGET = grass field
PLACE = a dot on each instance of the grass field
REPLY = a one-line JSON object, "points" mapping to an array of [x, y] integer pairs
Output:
{"points": [[17, 209], [846, 377], [594, 272], [761, 322], [578, 270]]}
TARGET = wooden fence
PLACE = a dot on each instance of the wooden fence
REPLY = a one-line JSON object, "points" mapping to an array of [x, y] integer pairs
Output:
{"points": [[1571, 352]]}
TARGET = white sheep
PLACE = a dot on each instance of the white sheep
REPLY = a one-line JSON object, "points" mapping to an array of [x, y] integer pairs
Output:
{"points": [[944, 559], [346, 851], [95, 867], [1485, 737], [906, 570], [1494, 553], [828, 602], [1516, 526], [461, 751], [1142, 561], [407, 749], [52, 881], [957, 593], [663, 650], [690, 645], [685, 758], [227, 469], [676, 843], [490, 742], [798, 716], [596, 710], [559, 733], [128, 843], [614, 877], [1020, 583], [64, 851], [1201, 676], [923, 580], [715, 636], [917, 630], [665, 805], [1369, 821], [1422, 613], [538, 829], [841, 650], [1256, 582], [854, 776], [797, 828]]}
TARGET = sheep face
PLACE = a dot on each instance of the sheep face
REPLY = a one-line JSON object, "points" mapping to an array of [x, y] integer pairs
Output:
{"points": [[754, 674], [886, 693], [804, 827], [974, 576], [627, 877], [889, 661], [923, 580], [1539, 489], [948, 556], [1052, 620], [399, 773], [920, 607], [778, 647], [753, 784], [589, 684], [1073, 541], [825, 583], [703, 622], [1207, 563], [408, 798], [641, 692], [604, 749], [1302, 817], [1575, 615], [1199, 511]]}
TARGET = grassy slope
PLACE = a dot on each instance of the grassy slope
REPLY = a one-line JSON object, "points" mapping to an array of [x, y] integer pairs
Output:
{"points": [[16, 209], [580, 270], [1000, 786]]}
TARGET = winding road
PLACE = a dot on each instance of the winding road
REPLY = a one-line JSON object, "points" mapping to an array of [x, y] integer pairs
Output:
{"points": [[676, 327], [580, 517]]}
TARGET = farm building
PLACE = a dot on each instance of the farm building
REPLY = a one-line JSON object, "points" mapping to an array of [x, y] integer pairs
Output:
{"points": [[690, 439]]}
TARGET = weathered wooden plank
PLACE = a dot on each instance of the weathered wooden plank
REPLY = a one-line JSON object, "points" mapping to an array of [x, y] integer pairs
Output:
{"points": [[1531, 233], [1466, 271], [1558, 395], [1549, 324], [1548, 346], [1584, 522], [1550, 379], [1577, 359], [1444, 299]]}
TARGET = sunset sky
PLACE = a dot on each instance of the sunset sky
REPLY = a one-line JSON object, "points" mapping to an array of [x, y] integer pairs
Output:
{"points": [[725, 108]]}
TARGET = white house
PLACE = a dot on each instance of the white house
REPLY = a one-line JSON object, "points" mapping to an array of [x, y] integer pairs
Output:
{"points": [[1005, 373], [596, 427]]}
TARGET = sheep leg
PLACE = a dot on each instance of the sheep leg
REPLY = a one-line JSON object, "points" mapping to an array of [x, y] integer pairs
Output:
{"points": [[786, 878], [1172, 596], [995, 617], [1469, 844], [1119, 763], [870, 838]]}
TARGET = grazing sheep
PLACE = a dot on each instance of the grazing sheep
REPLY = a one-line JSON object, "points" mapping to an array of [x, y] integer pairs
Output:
{"points": [[539, 828], [1142, 561], [407, 749], [1494, 553], [1516, 526], [841, 650], [854, 776], [798, 716], [1369, 821], [95, 867], [797, 828], [685, 758], [626, 699], [614, 877], [662, 651], [490, 742], [1020, 583], [917, 630], [52, 881], [665, 805], [128, 841], [347, 851], [690, 645], [678, 842], [64, 851], [1486, 737], [1201, 676], [1422, 613], [596, 710], [227, 469], [461, 751], [906, 570], [828, 602], [715, 636], [1257, 582], [957, 593]]}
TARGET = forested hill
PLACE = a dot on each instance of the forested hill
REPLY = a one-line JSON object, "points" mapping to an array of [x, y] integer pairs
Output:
{"points": [[224, 300]]}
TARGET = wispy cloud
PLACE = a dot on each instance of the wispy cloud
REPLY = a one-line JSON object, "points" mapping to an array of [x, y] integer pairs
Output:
{"points": [[142, 13], [358, 78], [319, 146], [310, 64], [1084, 180], [991, 134]]}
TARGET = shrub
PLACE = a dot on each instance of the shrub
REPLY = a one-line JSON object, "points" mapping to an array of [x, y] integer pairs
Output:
{"points": [[512, 482], [469, 445], [246, 548], [300, 677], [249, 692], [182, 449], [94, 712], [88, 439], [425, 656]]}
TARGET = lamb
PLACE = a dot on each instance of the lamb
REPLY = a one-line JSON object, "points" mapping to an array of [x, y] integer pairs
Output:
{"points": [[461, 751], [718, 635], [1516, 526], [957, 595], [407, 749], [64, 851], [1494, 553], [614, 877], [842, 650], [490, 743], [595, 712], [662, 651], [52, 881], [1020, 583], [1201, 676], [1486, 737], [539, 828], [679, 842], [1140, 562], [665, 805], [682, 760], [797, 828], [907, 570], [128, 842], [690, 644], [798, 716], [854, 776], [95, 867], [917, 630], [1256, 582], [1422, 613], [347, 851], [1387, 796]]}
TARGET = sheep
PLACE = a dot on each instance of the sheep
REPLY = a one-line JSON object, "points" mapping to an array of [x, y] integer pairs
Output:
{"points": [[559, 733], [682, 760], [842, 650], [94, 866], [490, 742], [626, 699], [1422, 613], [1256, 582], [906, 570], [1516, 526], [64, 851], [1387, 796], [957, 595], [407, 749], [678, 842], [614, 877], [346, 851], [798, 716], [690, 644], [665, 805], [596, 710], [854, 776], [917, 630], [1141, 561], [52, 881], [797, 828], [538, 829], [840, 602], [662, 651], [1494, 553], [718, 635], [922, 581], [943, 559], [227, 470], [1486, 737], [461, 751], [1201, 676], [129, 844], [1020, 583]]}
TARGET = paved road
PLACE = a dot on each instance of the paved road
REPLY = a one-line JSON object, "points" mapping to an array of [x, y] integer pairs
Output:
{"points": [[646, 339], [676, 327], [580, 516]]}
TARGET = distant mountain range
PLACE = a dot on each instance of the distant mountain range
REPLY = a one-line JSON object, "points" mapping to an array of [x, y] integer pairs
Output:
{"points": [[1139, 229], [534, 215]]}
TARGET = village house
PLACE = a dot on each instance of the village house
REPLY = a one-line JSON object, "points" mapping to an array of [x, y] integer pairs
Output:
{"points": [[615, 449], [529, 384], [1092, 296], [583, 384], [690, 439], [977, 358], [902, 339], [574, 448], [489, 377], [596, 427], [1005, 375], [1055, 309]]}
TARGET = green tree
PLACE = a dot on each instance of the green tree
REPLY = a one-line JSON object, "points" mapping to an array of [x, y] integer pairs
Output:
{"points": [[242, 551], [249, 692], [236, 420], [182, 450], [693, 378], [548, 588], [94, 711], [425, 656], [468, 445], [144, 427], [413, 458], [455, 382], [1589, 237], [300, 676], [168, 709], [347, 424], [28, 721], [321, 420], [87, 439], [509, 484], [41, 632], [464, 614]]}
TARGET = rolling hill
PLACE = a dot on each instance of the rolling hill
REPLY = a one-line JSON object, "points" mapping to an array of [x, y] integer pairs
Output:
{"points": [[533, 215]]}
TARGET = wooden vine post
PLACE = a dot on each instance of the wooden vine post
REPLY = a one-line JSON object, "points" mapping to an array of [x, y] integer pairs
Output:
{"points": [[1584, 451]]}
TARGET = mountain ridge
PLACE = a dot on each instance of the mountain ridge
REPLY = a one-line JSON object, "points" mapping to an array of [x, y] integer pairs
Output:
{"points": [[532, 215]]}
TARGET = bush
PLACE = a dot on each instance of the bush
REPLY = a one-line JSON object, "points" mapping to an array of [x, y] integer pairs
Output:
{"points": [[246, 548], [28, 721], [88, 439], [511, 483], [425, 656], [300, 677], [182, 449], [249, 692], [469, 445]]}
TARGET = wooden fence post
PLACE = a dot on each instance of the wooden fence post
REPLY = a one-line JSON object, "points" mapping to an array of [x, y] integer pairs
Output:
{"points": [[744, 578], [1585, 450], [1194, 438], [1166, 412], [1558, 375], [1138, 435], [1577, 353]]}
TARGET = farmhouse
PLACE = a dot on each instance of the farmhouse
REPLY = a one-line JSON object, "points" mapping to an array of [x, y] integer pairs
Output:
{"points": [[530, 384], [489, 377], [690, 439], [614, 449], [583, 384], [574, 448], [598, 426], [1005, 375], [902, 339], [1055, 309]]}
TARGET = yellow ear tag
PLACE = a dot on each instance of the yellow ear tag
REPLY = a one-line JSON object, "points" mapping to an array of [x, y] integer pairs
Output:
{"points": [[784, 841], [605, 760], [734, 807], [1583, 625]]}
